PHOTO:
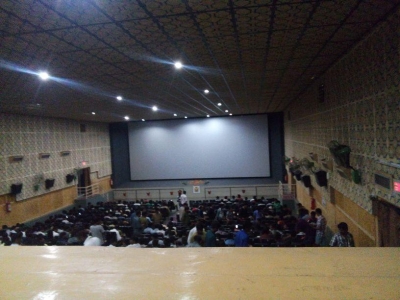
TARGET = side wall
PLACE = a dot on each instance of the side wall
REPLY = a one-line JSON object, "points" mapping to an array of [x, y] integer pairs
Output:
{"points": [[362, 110], [28, 136], [121, 170]]}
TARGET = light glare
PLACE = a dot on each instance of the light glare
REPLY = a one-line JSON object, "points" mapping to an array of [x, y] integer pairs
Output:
{"points": [[178, 65], [206, 91], [175, 115], [219, 104], [154, 108], [126, 118], [119, 98], [44, 75]]}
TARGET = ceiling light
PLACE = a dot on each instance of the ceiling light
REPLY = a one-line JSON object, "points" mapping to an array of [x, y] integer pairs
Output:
{"points": [[175, 115], [230, 114], [206, 91], [219, 104], [44, 75], [208, 116], [154, 108], [178, 65], [226, 110], [93, 113], [119, 98], [143, 120], [126, 118], [185, 117]]}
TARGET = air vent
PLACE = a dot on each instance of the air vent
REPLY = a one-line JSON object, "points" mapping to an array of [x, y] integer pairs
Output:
{"points": [[17, 158], [383, 181], [44, 155], [65, 153]]}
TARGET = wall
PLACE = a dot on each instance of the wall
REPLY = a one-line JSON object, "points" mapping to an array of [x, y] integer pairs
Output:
{"points": [[121, 172], [362, 110], [28, 136]]}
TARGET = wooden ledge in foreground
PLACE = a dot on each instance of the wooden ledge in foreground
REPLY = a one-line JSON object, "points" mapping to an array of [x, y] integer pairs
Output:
{"points": [[199, 273]]}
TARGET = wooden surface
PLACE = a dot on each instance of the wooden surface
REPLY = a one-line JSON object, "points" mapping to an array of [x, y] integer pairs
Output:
{"points": [[199, 273]]}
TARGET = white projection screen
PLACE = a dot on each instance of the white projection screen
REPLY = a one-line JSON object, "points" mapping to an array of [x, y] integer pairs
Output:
{"points": [[221, 147]]}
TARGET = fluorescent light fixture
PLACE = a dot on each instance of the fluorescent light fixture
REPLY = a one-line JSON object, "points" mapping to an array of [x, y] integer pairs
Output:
{"points": [[154, 108], [178, 65], [206, 91], [219, 104], [44, 75], [175, 115], [126, 118], [93, 113], [226, 110], [119, 98]]}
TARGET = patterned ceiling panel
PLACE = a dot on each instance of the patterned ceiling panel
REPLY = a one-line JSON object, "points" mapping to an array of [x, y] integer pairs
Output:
{"points": [[254, 56]]}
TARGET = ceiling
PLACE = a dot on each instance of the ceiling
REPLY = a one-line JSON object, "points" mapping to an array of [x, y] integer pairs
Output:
{"points": [[253, 56]]}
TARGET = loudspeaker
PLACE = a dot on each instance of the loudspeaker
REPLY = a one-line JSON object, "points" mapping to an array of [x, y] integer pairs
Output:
{"points": [[320, 178], [69, 178], [49, 183], [297, 174], [16, 188], [306, 181]]}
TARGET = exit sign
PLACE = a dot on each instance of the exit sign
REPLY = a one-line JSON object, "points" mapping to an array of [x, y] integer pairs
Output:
{"points": [[396, 186]]}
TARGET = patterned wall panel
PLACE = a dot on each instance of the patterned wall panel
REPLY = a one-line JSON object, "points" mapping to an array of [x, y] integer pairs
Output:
{"points": [[361, 109], [29, 136]]}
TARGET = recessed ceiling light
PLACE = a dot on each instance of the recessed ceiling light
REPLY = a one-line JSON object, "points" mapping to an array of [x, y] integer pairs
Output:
{"points": [[154, 108], [208, 116], [126, 118], [206, 91], [185, 117], [93, 113], [178, 65], [175, 115], [226, 110], [119, 98], [44, 75], [143, 120], [219, 104]]}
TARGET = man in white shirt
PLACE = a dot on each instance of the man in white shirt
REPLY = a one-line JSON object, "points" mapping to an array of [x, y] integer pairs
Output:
{"points": [[92, 241], [97, 230], [183, 198]]}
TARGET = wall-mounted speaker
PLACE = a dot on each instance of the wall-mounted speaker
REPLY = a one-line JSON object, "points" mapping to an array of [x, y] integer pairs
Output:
{"points": [[49, 183], [306, 181], [69, 178], [297, 174], [16, 188], [320, 178]]}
